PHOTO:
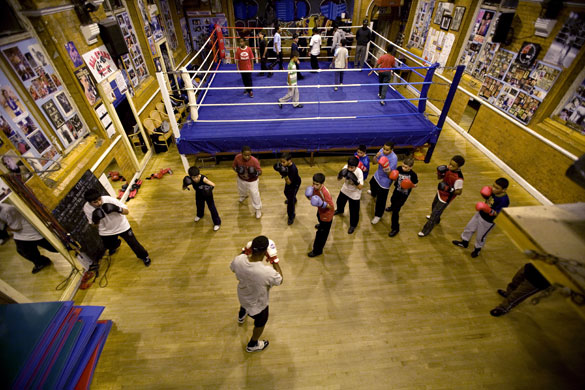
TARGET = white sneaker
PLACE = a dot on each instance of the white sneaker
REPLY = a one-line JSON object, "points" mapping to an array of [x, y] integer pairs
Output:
{"points": [[262, 344], [258, 214], [369, 192], [197, 219], [242, 198], [375, 220], [335, 89], [421, 234], [428, 217], [216, 228]]}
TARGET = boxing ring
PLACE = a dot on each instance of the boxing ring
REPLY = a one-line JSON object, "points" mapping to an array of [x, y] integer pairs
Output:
{"points": [[223, 117]]}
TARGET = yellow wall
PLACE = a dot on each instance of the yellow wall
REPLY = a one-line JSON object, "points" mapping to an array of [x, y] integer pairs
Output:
{"points": [[540, 165]]}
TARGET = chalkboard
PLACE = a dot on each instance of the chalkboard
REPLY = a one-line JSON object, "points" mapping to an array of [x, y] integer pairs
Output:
{"points": [[70, 214]]}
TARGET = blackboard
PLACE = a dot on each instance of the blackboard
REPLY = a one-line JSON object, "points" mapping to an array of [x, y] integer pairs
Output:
{"points": [[70, 214]]}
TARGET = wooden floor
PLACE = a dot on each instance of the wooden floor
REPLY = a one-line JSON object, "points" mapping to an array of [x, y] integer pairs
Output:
{"points": [[372, 313]]}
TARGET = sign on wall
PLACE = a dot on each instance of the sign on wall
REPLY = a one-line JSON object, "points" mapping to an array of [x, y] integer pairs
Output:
{"points": [[100, 63]]}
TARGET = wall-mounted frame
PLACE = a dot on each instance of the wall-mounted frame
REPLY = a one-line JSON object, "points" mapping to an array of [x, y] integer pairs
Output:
{"points": [[457, 18], [446, 22]]}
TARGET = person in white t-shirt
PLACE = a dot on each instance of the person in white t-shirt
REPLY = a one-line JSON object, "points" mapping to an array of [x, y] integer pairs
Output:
{"points": [[340, 61], [109, 215], [315, 44], [350, 191], [255, 280], [26, 237]]}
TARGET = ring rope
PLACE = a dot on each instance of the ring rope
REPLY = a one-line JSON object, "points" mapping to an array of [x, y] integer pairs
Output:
{"points": [[305, 118], [311, 102]]}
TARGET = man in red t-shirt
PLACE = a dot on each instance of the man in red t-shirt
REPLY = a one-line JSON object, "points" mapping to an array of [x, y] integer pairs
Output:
{"points": [[320, 197], [248, 169], [244, 58], [384, 76]]}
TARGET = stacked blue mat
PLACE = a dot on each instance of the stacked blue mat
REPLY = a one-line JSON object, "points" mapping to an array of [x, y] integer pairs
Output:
{"points": [[50, 345]]}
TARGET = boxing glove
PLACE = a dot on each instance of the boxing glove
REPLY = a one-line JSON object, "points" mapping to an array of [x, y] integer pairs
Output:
{"points": [[342, 174], [317, 201], [482, 206], [362, 167], [441, 171], [187, 181], [393, 175], [486, 192], [110, 208], [97, 215], [384, 163], [252, 171], [271, 254], [277, 167], [309, 191], [207, 190], [240, 169], [351, 176], [445, 187], [406, 184]]}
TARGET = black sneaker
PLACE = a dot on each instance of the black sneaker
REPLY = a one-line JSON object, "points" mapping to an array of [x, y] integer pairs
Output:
{"points": [[337, 212], [462, 244], [313, 254], [503, 293], [350, 230], [291, 221], [393, 233], [317, 226], [497, 312], [298, 106], [475, 252], [146, 261], [279, 104], [38, 268], [388, 209], [242, 316], [260, 345]]}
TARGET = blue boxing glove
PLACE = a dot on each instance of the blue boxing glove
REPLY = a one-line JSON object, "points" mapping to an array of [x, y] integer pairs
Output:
{"points": [[318, 202], [309, 192], [240, 169], [252, 171]]}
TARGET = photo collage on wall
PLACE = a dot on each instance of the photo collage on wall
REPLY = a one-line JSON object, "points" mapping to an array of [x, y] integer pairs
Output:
{"points": [[40, 80], [474, 62], [514, 88], [421, 23], [132, 63], [22, 129], [573, 111], [201, 27], [170, 31]]}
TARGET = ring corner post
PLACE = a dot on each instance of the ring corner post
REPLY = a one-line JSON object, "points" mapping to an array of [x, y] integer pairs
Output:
{"points": [[422, 103]]}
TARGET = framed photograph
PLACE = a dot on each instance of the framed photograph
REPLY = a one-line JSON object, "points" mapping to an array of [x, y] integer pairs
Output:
{"points": [[457, 18], [438, 14], [446, 22], [528, 53]]}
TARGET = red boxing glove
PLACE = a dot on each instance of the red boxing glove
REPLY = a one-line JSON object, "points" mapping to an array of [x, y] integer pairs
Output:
{"points": [[482, 206], [486, 192], [393, 175], [383, 161], [406, 184], [361, 166]]}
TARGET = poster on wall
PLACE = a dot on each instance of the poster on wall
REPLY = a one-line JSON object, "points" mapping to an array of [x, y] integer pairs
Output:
{"points": [[170, 30], [43, 84], [519, 77], [484, 60], [568, 41], [506, 97], [185, 31], [156, 25], [200, 28], [100, 63], [87, 84], [421, 23], [438, 47], [74, 54], [145, 19], [528, 53], [524, 107], [22, 130]]}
